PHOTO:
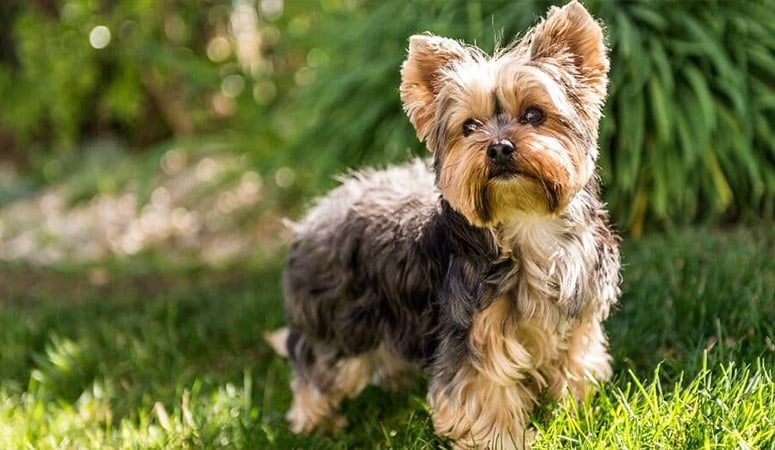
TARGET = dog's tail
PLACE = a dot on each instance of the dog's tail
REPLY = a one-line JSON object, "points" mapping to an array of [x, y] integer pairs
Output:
{"points": [[278, 340]]}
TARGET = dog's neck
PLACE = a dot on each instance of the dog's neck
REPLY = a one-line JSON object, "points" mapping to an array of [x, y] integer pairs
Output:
{"points": [[542, 233], [546, 258], [552, 254]]}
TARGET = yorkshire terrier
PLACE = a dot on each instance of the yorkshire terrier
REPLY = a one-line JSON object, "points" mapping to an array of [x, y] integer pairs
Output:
{"points": [[490, 271]]}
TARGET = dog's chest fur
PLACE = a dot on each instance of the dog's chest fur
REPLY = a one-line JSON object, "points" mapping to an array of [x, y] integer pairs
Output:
{"points": [[525, 327], [536, 324], [551, 262]]}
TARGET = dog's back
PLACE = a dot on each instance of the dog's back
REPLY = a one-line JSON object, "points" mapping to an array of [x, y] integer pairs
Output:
{"points": [[358, 268]]}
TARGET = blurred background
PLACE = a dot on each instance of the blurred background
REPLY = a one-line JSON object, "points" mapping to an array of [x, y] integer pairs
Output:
{"points": [[191, 128], [150, 150]]}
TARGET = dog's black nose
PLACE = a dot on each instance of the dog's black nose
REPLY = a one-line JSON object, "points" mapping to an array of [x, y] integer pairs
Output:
{"points": [[500, 152]]}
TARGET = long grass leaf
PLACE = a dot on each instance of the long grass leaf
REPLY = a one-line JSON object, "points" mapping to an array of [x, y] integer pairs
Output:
{"points": [[702, 93], [660, 113]]}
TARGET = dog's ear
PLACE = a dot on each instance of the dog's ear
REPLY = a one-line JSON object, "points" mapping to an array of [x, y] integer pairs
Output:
{"points": [[421, 75], [571, 36]]}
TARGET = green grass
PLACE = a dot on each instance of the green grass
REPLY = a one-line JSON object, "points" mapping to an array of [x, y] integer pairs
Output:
{"points": [[175, 358]]}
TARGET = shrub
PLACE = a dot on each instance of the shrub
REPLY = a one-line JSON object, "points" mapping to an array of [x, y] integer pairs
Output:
{"points": [[77, 68], [688, 134]]}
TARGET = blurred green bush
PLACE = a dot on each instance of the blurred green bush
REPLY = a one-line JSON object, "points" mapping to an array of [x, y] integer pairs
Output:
{"points": [[690, 121], [140, 71], [688, 134], [77, 68]]}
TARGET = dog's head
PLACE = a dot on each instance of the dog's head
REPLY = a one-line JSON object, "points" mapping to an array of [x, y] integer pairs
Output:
{"points": [[515, 132]]}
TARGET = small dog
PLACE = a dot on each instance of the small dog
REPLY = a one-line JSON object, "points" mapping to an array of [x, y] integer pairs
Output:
{"points": [[491, 271]]}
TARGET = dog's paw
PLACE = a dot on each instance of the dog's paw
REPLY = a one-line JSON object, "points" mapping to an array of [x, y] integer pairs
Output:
{"points": [[300, 421], [277, 339]]}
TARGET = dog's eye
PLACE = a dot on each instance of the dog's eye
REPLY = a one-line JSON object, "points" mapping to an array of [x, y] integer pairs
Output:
{"points": [[533, 116], [469, 126]]}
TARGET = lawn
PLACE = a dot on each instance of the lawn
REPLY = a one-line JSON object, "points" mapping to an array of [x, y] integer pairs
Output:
{"points": [[125, 356]]}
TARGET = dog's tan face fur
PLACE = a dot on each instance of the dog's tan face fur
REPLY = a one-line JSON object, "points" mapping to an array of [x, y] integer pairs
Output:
{"points": [[542, 97]]}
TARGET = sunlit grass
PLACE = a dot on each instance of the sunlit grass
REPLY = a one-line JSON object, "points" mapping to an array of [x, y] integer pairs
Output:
{"points": [[727, 407], [174, 358]]}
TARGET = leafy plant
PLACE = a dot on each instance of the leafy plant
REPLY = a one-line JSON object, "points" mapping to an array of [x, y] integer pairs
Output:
{"points": [[688, 133], [76, 69]]}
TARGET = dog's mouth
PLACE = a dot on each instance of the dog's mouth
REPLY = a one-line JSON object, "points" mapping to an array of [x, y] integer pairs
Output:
{"points": [[513, 173], [504, 172], [510, 172]]}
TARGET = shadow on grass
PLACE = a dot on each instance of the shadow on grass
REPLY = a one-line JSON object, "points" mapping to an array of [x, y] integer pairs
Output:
{"points": [[137, 328]]}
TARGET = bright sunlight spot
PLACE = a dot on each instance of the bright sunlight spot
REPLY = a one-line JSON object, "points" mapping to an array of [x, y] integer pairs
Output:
{"points": [[99, 37]]}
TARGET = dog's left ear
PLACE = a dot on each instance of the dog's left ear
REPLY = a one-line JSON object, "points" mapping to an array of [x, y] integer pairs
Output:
{"points": [[572, 35]]}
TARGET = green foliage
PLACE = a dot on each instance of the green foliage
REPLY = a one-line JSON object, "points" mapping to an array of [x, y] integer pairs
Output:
{"points": [[352, 109], [694, 290], [136, 69], [172, 73], [133, 356], [688, 133]]}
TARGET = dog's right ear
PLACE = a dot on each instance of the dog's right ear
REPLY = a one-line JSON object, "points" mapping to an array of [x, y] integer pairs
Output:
{"points": [[421, 74]]}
